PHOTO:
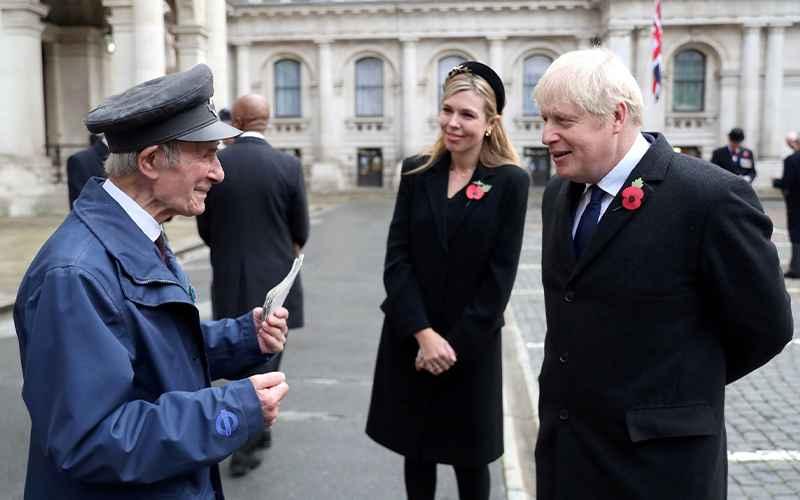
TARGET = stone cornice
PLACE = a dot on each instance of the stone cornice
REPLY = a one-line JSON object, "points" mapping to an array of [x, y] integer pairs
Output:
{"points": [[407, 7]]}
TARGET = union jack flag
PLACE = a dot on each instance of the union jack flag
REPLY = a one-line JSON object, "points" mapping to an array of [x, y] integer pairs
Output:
{"points": [[656, 33]]}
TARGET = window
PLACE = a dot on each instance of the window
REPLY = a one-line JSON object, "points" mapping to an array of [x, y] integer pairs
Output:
{"points": [[690, 81], [369, 87], [445, 65], [287, 89], [532, 70]]}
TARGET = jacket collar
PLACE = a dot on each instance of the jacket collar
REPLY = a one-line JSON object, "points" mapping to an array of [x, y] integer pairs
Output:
{"points": [[436, 186], [652, 169], [120, 236], [250, 139]]}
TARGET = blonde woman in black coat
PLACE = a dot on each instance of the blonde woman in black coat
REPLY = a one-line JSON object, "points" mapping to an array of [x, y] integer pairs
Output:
{"points": [[451, 258]]}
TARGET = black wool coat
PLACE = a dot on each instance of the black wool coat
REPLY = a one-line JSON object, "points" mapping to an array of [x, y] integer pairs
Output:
{"points": [[791, 191], [459, 286], [84, 165], [251, 221], [647, 327]]}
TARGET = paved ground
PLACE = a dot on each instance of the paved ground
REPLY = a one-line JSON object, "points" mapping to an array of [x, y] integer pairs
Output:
{"points": [[320, 449], [762, 409]]}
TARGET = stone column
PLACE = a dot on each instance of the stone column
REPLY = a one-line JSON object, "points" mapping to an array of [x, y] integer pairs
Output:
{"points": [[751, 65], [410, 109], [191, 45], [325, 113], [619, 41], [772, 139], [22, 130], [148, 26], [218, 50], [583, 41], [326, 175], [123, 60], [243, 81], [728, 103], [496, 53]]}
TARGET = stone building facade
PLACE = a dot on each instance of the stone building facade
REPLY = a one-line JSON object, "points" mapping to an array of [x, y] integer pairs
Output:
{"points": [[355, 84]]}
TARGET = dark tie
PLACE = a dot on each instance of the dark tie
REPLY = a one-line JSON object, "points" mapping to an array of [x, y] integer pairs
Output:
{"points": [[588, 222], [161, 245]]}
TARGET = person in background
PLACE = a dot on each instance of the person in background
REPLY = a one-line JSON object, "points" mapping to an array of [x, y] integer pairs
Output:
{"points": [[86, 164], [451, 259], [736, 158], [255, 224], [651, 262], [790, 185], [116, 364]]}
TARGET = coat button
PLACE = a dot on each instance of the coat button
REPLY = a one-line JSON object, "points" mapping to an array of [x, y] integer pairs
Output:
{"points": [[563, 415], [569, 296], [563, 358]]}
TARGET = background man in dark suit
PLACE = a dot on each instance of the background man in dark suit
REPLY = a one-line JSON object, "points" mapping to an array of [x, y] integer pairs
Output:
{"points": [[86, 164], [255, 224], [651, 261], [736, 158], [790, 184]]}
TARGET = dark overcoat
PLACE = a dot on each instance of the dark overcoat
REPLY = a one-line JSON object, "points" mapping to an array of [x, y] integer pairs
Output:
{"points": [[84, 165], [251, 222], [459, 286], [744, 164], [647, 327], [791, 190]]}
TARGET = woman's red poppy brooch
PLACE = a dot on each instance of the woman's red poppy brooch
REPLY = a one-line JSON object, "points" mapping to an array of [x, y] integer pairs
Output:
{"points": [[633, 195], [477, 189]]}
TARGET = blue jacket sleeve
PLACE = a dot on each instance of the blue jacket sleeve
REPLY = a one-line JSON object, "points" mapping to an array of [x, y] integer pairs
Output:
{"points": [[85, 414], [231, 346]]}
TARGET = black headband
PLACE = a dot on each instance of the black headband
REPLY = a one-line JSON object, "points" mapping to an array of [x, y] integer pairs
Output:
{"points": [[488, 74]]}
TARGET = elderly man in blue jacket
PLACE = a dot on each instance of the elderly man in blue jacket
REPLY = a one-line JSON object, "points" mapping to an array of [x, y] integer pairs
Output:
{"points": [[117, 365]]}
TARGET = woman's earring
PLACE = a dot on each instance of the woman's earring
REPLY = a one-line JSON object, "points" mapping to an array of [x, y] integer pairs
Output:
{"points": [[488, 132]]}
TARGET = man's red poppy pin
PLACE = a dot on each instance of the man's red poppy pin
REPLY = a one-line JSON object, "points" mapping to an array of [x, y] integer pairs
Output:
{"points": [[633, 195]]}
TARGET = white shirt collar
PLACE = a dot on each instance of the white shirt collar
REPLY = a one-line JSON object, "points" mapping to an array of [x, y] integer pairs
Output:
{"points": [[615, 179], [252, 133], [139, 215]]}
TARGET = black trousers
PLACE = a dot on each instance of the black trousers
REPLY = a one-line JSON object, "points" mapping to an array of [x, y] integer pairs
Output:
{"points": [[420, 479]]}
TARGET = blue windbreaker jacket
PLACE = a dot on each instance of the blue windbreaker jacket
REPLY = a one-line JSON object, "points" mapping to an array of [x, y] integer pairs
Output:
{"points": [[117, 367]]}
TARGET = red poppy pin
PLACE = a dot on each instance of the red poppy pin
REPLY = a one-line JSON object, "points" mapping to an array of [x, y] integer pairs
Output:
{"points": [[477, 189], [633, 195], [745, 154]]}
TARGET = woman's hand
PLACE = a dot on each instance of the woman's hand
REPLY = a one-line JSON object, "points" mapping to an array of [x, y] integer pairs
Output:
{"points": [[435, 353]]}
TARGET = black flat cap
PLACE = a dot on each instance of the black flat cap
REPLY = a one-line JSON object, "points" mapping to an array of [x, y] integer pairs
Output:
{"points": [[172, 107], [488, 74]]}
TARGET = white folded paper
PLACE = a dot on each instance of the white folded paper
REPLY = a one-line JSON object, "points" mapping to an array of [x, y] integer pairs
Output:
{"points": [[277, 294]]}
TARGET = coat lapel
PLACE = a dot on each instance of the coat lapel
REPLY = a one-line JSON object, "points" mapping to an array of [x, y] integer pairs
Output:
{"points": [[566, 202], [483, 174], [651, 168], [436, 188]]}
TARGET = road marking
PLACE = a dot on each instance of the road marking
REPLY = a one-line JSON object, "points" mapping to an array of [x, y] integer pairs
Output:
{"points": [[289, 415], [535, 345], [529, 266], [795, 342], [764, 456], [522, 292], [7, 329]]}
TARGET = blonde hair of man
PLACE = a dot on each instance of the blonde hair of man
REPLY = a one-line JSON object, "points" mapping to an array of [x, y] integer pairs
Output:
{"points": [[595, 80], [497, 148]]}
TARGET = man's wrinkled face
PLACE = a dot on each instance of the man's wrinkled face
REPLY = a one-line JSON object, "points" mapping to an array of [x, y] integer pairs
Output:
{"points": [[580, 144], [182, 188]]}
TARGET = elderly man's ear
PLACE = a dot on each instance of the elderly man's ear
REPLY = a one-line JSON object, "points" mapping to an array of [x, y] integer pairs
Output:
{"points": [[148, 162], [620, 116]]}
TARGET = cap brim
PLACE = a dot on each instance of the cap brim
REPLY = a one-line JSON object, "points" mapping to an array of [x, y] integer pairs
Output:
{"points": [[215, 131]]}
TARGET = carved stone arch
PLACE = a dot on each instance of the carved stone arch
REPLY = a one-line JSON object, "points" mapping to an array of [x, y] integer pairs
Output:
{"points": [[378, 53], [715, 52], [288, 54], [446, 50]]}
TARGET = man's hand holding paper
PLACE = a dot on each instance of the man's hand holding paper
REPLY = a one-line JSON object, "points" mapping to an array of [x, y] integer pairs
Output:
{"points": [[271, 332]]}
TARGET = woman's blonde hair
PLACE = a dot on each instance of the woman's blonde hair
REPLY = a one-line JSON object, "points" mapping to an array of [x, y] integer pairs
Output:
{"points": [[497, 148]]}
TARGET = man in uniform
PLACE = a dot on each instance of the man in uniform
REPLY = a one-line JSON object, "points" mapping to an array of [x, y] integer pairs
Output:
{"points": [[117, 365], [736, 158]]}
